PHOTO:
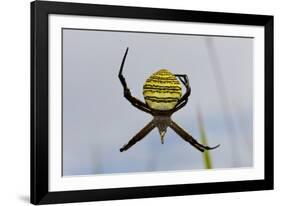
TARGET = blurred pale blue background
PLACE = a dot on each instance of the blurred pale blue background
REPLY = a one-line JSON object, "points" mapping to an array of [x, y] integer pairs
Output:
{"points": [[97, 120]]}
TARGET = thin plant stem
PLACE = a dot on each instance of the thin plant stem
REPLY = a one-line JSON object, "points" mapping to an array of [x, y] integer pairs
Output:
{"points": [[203, 138]]}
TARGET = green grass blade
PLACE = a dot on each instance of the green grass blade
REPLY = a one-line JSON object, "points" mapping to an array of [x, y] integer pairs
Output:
{"points": [[203, 139]]}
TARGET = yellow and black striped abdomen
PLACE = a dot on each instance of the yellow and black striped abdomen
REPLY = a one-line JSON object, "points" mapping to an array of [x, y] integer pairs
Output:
{"points": [[162, 90]]}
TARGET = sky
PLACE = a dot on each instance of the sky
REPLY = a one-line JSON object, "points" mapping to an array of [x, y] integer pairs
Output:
{"points": [[98, 120]]}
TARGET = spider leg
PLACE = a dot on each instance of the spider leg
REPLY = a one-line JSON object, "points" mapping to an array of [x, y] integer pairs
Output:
{"points": [[127, 93], [183, 78], [184, 99], [139, 136], [181, 105], [187, 137]]}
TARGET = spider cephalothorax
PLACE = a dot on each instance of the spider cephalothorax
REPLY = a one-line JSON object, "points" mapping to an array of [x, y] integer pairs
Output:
{"points": [[163, 96]]}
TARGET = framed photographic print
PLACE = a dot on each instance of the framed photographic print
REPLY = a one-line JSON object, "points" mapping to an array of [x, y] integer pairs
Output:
{"points": [[130, 102]]}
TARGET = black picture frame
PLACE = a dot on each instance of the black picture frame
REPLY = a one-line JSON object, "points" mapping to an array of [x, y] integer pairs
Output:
{"points": [[39, 102]]}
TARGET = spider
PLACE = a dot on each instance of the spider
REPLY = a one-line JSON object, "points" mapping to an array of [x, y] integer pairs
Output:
{"points": [[162, 94]]}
